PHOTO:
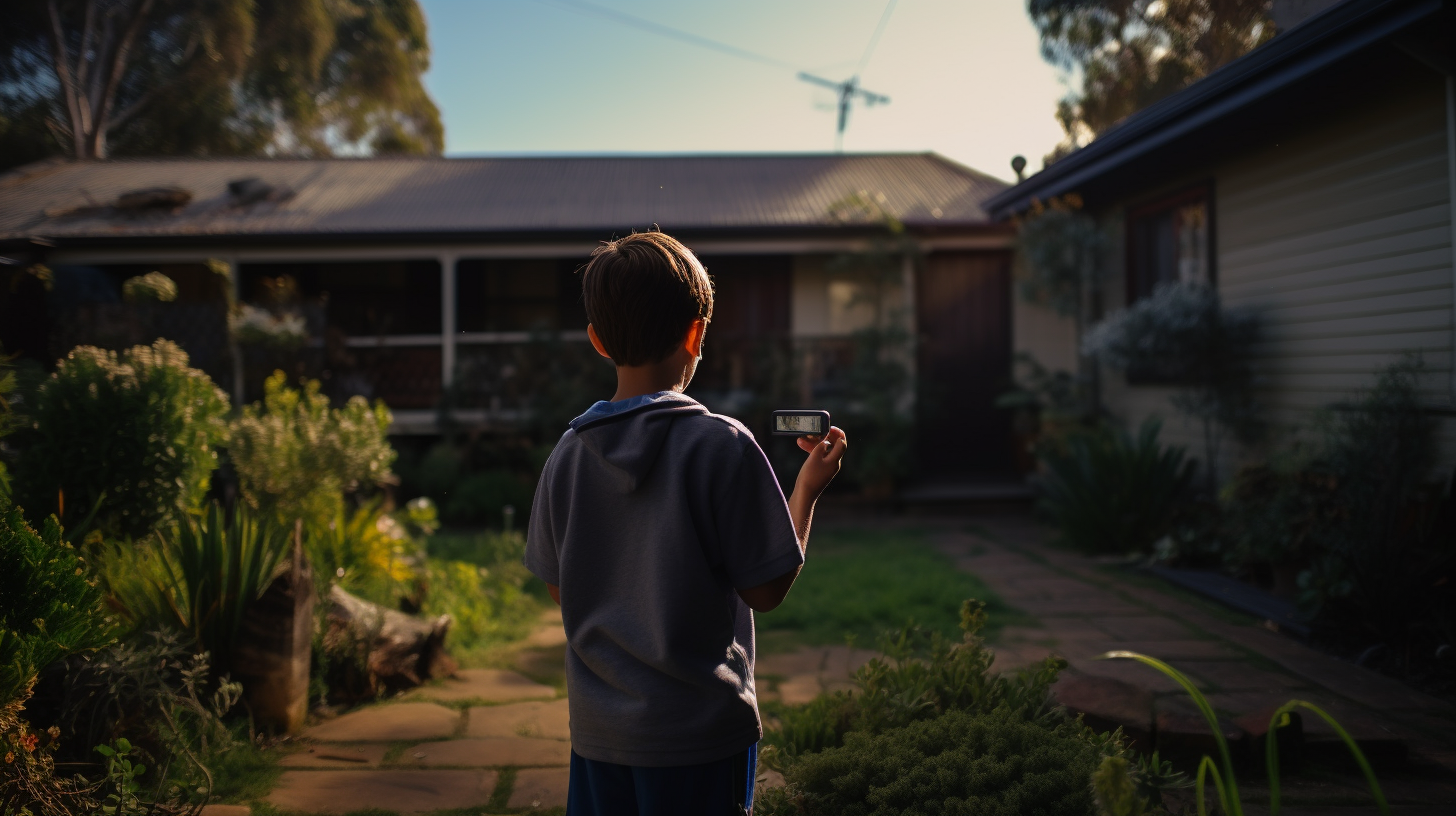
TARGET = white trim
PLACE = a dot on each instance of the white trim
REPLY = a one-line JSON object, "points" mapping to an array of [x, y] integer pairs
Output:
{"points": [[390, 341]]}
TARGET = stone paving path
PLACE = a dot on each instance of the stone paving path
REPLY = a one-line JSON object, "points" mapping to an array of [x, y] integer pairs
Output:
{"points": [[1085, 609]]}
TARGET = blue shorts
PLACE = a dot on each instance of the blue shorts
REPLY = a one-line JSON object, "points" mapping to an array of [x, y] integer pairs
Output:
{"points": [[710, 789]]}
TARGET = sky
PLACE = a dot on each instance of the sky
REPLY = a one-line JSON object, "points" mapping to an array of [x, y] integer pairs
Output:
{"points": [[965, 78]]}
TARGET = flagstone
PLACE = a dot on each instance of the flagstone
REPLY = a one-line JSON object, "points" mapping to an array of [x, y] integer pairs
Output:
{"points": [[402, 791], [543, 720], [490, 685], [388, 723], [540, 788], [367, 755], [489, 752]]}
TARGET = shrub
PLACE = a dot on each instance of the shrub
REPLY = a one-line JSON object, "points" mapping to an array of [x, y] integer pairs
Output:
{"points": [[1111, 492], [296, 457], [1183, 335], [489, 605], [48, 606], [200, 577], [962, 762], [132, 435], [151, 287], [8, 420], [366, 551]]}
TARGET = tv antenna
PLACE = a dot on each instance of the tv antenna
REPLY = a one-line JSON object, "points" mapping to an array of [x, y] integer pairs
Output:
{"points": [[850, 88]]}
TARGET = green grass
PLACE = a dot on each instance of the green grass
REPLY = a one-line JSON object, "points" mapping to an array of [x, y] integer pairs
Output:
{"points": [[862, 583]]}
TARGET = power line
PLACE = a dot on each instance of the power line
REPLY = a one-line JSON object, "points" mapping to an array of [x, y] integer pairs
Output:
{"points": [[592, 9], [875, 38]]}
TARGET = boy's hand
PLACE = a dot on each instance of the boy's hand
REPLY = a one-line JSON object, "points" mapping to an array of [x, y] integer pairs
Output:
{"points": [[822, 463]]}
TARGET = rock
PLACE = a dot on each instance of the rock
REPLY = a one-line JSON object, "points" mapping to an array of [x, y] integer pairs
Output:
{"points": [[489, 752], [403, 651], [397, 790], [540, 788], [1107, 704], [537, 719], [387, 723], [488, 685]]}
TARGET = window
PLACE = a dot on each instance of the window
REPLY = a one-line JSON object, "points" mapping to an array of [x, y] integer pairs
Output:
{"points": [[517, 295], [1170, 241]]}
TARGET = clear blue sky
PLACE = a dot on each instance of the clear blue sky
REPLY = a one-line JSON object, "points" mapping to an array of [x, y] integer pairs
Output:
{"points": [[965, 78]]}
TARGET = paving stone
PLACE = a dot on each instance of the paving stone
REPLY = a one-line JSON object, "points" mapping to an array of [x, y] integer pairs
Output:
{"points": [[540, 788], [543, 720], [387, 723], [1128, 671], [1183, 736], [489, 752], [1011, 658], [1232, 675], [1142, 628], [1170, 650], [1079, 607], [1060, 588], [491, 685], [225, 810], [801, 688], [401, 791], [367, 755], [1107, 704]]}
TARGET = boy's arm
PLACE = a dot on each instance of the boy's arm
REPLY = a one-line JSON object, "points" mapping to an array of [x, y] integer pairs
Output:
{"points": [[820, 466]]}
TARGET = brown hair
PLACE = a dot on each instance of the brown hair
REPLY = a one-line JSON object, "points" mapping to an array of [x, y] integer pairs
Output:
{"points": [[642, 293]]}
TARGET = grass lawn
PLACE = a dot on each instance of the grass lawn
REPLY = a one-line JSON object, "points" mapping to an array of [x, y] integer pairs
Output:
{"points": [[862, 583]]}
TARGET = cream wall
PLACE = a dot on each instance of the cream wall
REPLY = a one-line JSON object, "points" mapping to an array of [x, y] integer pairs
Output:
{"points": [[836, 303], [1341, 240]]}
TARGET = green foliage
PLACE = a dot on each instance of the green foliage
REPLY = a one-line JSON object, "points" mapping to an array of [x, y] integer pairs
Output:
{"points": [[296, 457], [8, 421], [1226, 786], [48, 607], [865, 583], [1111, 492], [1183, 335], [1115, 791], [121, 779], [1129, 54], [153, 287], [489, 605], [366, 551], [200, 576], [133, 436], [992, 763], [223, 78], [1059, 253]]}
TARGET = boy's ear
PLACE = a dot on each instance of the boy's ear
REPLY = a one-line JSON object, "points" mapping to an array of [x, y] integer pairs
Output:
{"points": [[693, 342], [596, 342]]}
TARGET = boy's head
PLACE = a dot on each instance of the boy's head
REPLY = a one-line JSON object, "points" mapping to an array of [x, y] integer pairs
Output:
{"points": [[642, 294]]}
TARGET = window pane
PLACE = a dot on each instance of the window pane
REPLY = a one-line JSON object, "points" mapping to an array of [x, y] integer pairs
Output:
{"points": [[513, 295], [358, 299], [1192, 229]]}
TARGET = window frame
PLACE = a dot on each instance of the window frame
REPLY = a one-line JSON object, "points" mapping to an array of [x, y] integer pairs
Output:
{"points": [[1199, 191]]}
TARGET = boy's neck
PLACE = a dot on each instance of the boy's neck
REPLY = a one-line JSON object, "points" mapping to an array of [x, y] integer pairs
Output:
{"points": [[672, 374]]}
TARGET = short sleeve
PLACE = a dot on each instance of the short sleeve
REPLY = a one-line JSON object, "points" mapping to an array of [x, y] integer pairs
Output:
{"points": [[541, 552], [755, 531]]}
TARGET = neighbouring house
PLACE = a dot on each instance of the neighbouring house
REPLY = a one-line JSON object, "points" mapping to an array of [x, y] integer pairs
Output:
{"points": [[412, 280], [1311, 180]]}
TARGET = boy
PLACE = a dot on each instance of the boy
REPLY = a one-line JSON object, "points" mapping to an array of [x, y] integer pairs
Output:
{"points": [[658, 526]]}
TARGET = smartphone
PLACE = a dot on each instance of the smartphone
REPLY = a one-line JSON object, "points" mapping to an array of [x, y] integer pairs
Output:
{"points": [[800, 423]]}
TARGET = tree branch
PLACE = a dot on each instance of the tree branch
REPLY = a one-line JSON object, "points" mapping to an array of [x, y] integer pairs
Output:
{"points": [[113, 79], [83, 65], [60, 63], [146, 98]]}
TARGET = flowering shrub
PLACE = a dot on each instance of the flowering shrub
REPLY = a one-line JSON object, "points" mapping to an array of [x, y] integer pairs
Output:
{"points": [[153, 286], [132, 436], [251, 325], [297, 457]]}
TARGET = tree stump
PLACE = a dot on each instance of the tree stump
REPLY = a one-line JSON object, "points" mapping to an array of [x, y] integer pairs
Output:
{"points": [[276, 646], [398, 651]]}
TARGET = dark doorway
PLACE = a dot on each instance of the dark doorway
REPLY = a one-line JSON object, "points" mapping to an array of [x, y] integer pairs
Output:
{"points": [[964, 307]]}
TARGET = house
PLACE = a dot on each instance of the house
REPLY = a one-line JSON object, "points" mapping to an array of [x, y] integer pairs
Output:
{"points": [[1311, 180], [418, 278]]}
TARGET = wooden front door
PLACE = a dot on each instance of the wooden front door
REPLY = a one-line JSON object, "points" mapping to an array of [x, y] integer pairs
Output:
{"points": [[963, 304]]}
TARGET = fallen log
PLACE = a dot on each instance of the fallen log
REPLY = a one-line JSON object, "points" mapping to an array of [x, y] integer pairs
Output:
{"points": [[397, 651]]}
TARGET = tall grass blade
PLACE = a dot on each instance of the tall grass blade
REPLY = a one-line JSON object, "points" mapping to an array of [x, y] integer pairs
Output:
{"points": [[1271, 754]]}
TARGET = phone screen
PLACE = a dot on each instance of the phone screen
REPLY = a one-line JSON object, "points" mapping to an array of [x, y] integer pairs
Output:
{"points": [[798, 423]]}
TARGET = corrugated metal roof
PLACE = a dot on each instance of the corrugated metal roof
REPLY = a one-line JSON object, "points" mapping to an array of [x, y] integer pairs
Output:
{"points": [[482, 195]]}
